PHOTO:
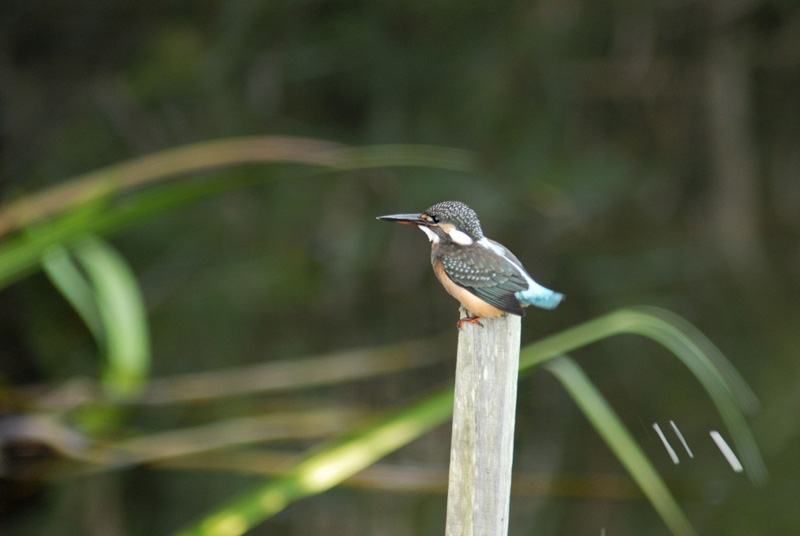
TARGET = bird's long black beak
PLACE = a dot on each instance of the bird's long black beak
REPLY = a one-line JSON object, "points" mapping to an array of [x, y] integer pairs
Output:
{"points": [[410, 219]]}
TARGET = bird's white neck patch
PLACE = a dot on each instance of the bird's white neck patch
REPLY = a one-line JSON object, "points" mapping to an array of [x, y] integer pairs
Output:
{"points": [[433, 237], [460, 237]]}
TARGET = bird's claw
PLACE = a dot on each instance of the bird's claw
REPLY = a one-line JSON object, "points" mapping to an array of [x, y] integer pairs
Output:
{"points": [[470, 319]]}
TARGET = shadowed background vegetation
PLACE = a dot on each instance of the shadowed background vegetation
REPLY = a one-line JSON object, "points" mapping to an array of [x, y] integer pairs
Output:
{"points": [[627, 152]]}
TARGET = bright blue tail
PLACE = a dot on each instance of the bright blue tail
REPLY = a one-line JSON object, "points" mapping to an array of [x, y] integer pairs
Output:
{"points": [[540, 297]]}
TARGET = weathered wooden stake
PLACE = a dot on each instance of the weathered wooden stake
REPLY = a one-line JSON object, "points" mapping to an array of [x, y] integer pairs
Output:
{"points": [[482, 447]]}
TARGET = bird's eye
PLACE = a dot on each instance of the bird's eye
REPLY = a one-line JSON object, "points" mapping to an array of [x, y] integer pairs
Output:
{"points": [[435, 219]]}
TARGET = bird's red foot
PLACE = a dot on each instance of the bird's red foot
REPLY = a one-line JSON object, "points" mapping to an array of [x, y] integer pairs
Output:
{"points": [[470, 319]]}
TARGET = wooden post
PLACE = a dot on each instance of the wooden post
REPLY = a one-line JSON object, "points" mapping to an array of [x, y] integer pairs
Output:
{"points": [[482, 447]]}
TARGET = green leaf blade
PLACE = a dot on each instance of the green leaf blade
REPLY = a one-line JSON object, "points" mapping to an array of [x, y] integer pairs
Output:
{"points": [[620, 441], [124, 317]]}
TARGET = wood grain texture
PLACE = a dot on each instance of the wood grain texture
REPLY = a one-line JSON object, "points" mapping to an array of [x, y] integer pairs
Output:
{"points": [[482, 447]]}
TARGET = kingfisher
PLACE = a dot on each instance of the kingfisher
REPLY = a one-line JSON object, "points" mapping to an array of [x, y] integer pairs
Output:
{"points": [[483, 275]]}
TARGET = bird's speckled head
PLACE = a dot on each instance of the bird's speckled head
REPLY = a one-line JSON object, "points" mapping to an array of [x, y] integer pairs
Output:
{"points": [[457, 214]]}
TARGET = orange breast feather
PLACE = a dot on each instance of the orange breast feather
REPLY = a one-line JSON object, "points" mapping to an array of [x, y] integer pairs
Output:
{"points": [[470, 301]]}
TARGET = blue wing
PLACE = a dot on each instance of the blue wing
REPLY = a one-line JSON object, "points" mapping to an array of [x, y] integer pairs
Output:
{"points": [[487, 276], [534, 294], [494, 274]]}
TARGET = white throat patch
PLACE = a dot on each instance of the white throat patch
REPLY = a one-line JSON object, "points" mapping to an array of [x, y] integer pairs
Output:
{"points": [[460, 237], [433, 237]]}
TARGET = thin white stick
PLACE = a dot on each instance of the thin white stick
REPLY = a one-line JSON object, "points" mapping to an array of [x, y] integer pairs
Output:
{"points": [[726, 451], [670, 451], [680, 436]]}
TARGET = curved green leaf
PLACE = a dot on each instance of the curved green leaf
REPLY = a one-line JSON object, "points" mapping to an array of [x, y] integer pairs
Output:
{"points": [[72, 284], [122, 312], [619, 440], [725, 387]]}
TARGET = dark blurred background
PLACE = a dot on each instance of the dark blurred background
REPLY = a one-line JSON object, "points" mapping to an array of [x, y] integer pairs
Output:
{"points": [[628, 153]]}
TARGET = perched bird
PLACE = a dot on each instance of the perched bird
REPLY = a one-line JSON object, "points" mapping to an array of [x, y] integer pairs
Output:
{"points": [[483, 275]]}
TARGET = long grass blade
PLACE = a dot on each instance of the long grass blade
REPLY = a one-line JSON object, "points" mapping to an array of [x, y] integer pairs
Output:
{"points": [[21, 253], [327, 466], [203, 156], [619, 440], [728, 392]]}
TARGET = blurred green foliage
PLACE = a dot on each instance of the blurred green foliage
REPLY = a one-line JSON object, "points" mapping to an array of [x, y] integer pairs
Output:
{"points": [[629, 152]]}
